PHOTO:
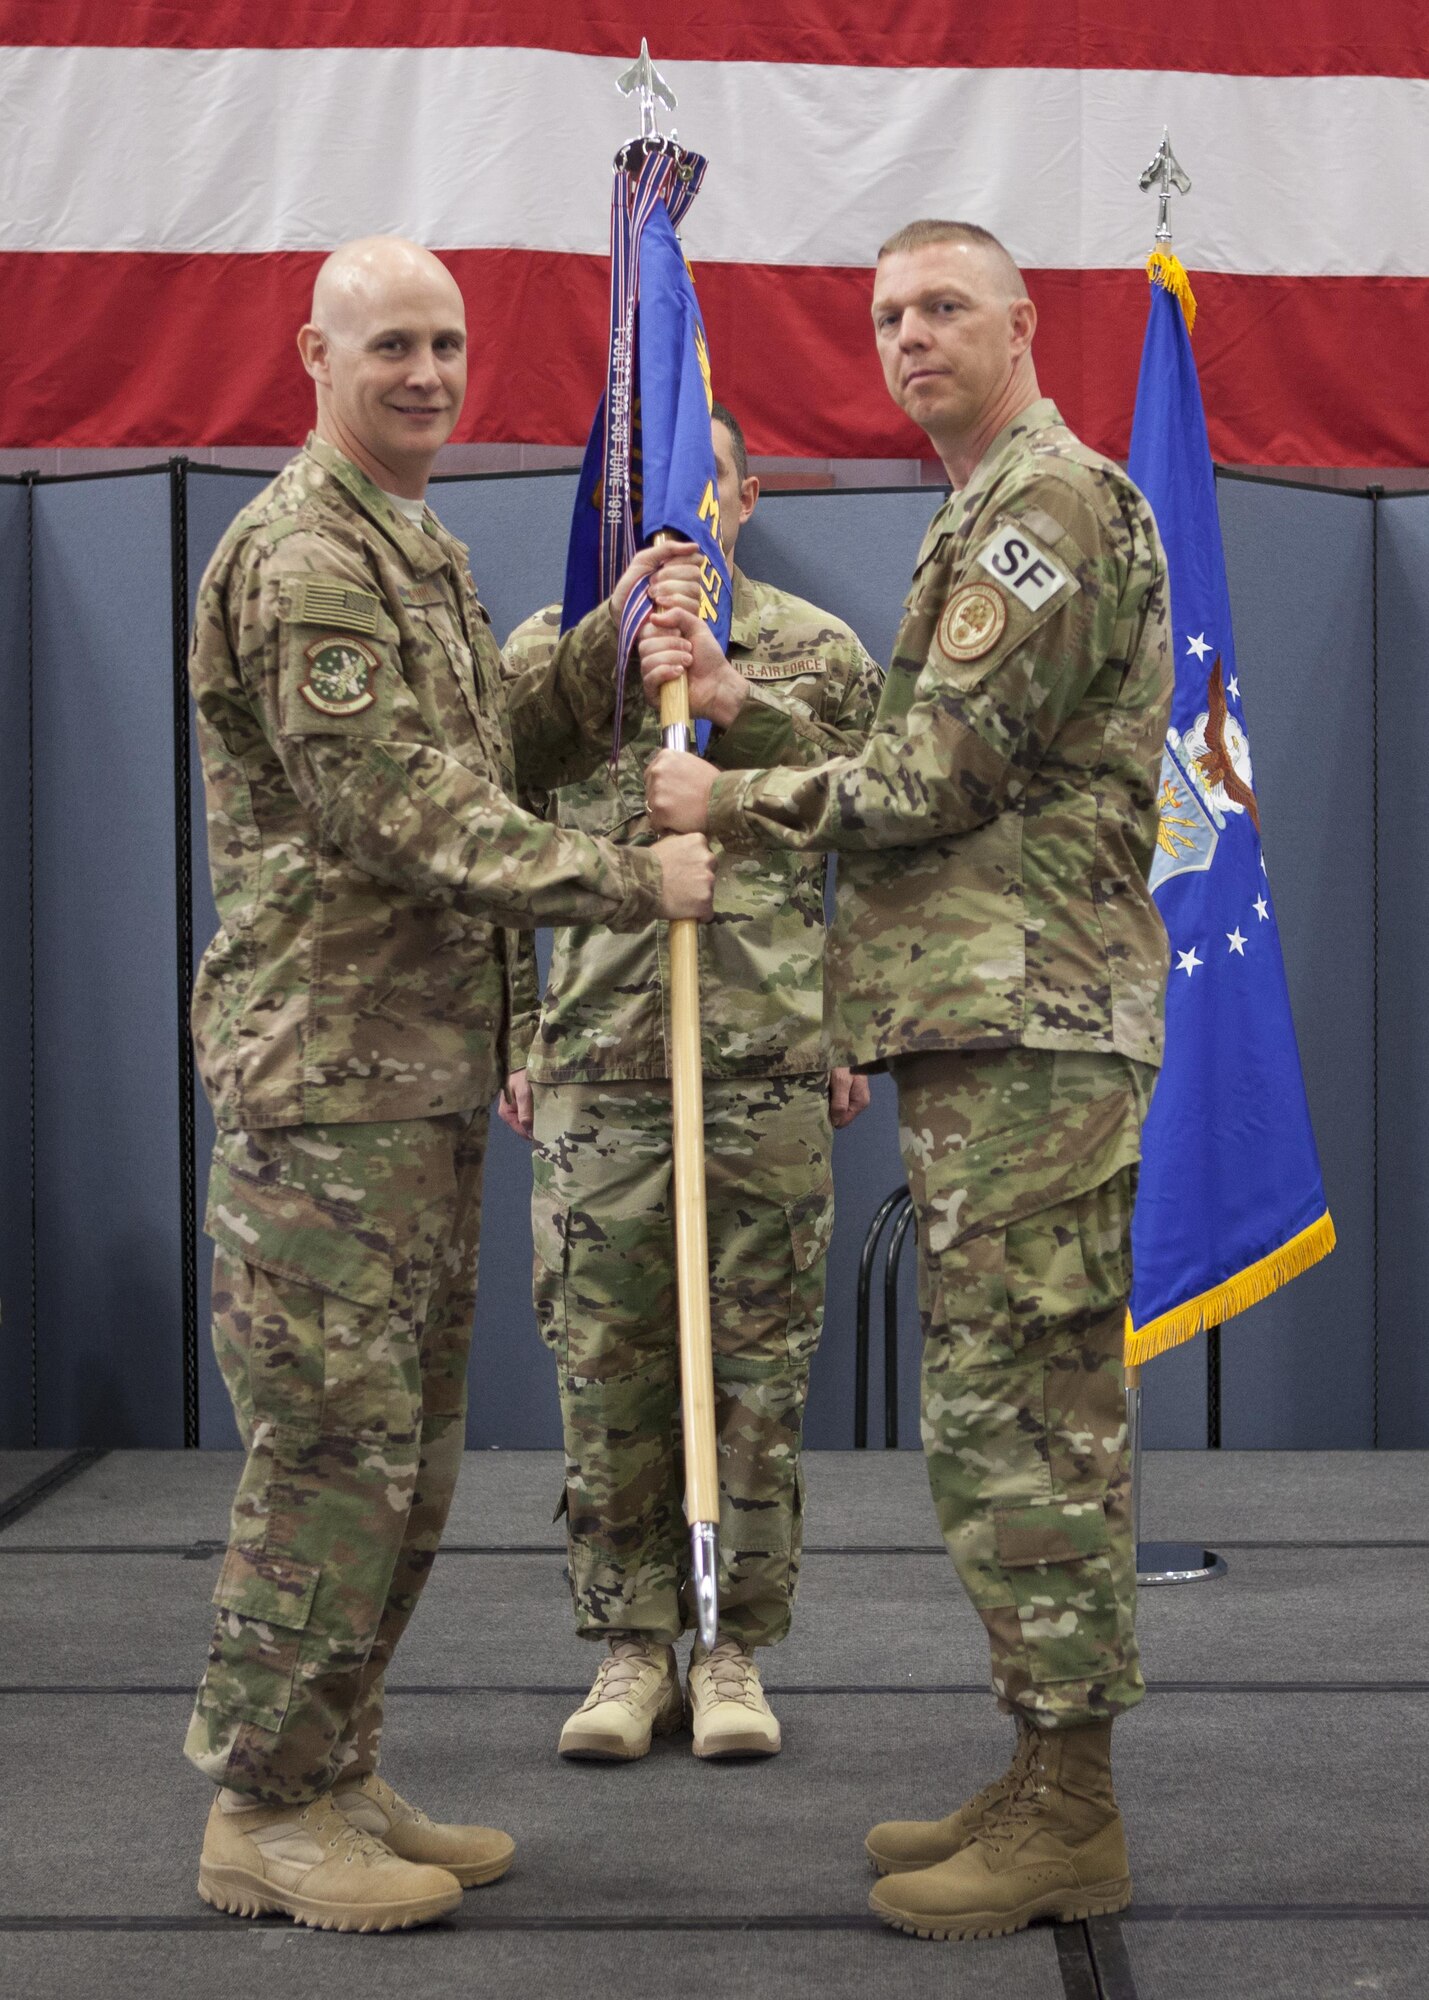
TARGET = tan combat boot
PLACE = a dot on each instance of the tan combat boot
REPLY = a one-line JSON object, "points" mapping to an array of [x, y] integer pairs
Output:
{"points": [[316, 1867], [728, 1708], [635, 1695], [474, 1854], [1055, 1848], [895, 1845]]}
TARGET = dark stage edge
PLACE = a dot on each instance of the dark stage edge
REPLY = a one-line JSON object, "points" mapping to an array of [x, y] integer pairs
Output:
{"points": [[1272, 1785]]}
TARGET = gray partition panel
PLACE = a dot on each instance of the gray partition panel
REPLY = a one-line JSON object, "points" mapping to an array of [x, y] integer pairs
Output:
{"points": [[214, 498], [1299, 1367], [16, 1352], [516, 530], [850, 552], [1404, 965], [109, 1293]]}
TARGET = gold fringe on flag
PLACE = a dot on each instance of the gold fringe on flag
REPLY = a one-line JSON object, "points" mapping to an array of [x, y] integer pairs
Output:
{"points": [[1213, 1308], [1165, 268]]}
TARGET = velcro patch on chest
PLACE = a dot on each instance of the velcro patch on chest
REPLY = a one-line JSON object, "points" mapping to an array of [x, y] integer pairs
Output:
{"points": [[340, 675], [972, 621], [780, 670], [324, 600], [1022, 566]]}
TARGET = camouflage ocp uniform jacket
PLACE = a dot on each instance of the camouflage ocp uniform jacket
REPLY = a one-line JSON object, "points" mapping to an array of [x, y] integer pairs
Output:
{"points": [[996, 831], [606, 1015], [360, 754]]}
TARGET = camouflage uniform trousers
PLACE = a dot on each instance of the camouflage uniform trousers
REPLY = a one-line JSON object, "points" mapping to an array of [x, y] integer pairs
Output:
{"points": [[606, 1305], [344, 1284], [1022, 1166]]}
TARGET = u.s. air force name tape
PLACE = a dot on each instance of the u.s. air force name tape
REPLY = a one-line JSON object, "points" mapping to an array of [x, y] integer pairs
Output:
{"points": [[780, 670]]}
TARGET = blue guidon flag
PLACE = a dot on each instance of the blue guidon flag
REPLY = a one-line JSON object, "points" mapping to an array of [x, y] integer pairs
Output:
{"points": [[649, 464], [1231, 1202]]}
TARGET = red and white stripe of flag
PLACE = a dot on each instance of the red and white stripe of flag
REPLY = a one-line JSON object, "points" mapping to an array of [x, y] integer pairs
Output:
{"points": [[171, 174]]}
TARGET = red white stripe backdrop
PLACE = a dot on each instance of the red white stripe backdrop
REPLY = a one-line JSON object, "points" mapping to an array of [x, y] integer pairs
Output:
{"points": [[171, 174]]}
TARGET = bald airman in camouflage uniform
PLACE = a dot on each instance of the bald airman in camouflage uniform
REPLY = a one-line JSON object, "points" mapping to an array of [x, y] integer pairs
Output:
{"points": [[605, 1282], [997, 948], [351, 1019]]}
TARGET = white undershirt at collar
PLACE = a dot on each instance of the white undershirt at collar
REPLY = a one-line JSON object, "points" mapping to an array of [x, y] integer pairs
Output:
{"points": [[413, 509]]}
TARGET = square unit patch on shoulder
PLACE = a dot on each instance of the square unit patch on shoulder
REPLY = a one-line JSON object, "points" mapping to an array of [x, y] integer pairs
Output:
{"points": [[1022, 566], [339, 679]]}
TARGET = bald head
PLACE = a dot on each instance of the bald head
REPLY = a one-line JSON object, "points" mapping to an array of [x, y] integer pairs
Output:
{"points": [[369, 275], [386, 346]]}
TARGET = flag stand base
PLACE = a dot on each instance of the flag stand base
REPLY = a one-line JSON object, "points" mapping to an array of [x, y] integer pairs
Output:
{"points": [[1176, 1562], [1160, 1562]]}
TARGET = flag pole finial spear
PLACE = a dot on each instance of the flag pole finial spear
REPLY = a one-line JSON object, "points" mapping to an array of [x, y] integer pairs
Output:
{"points": [[1164, 173], [642, 79], [1167, 176]]}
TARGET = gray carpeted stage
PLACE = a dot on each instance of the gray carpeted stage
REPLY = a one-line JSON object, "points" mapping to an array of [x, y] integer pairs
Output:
{"points": [[1274, 1784]]}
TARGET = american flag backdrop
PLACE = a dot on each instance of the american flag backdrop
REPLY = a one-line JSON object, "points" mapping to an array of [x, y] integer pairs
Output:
{"points": [[172, 172]]}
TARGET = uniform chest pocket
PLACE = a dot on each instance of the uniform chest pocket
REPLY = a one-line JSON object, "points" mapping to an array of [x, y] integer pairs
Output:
{"points": [[437, 635]]}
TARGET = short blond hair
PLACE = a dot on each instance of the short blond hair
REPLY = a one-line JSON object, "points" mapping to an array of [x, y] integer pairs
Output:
{"points": [[917, 235]]}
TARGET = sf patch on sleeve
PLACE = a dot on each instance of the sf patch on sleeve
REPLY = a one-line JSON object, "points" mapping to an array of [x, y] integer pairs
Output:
{"points": [[1022, 566]]}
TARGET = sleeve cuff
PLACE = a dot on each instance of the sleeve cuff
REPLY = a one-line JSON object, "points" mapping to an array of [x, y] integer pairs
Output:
{"points": [[761, 735], [596, 637], [641, 876], [593, 644], [727, 822]]}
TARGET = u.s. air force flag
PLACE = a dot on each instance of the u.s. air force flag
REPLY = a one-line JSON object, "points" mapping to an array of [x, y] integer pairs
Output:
{"points": [[649, 464], [1231, 1202]]}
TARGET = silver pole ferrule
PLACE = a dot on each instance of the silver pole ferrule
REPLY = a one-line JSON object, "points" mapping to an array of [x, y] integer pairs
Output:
{"points": [[704, 1564], [678, 736]]}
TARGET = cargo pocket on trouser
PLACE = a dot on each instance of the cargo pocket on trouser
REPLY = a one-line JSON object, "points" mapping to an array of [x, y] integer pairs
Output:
{"points": [[811, 1228], [761, 1383], [1063, 1648], [549, 1230], [1055, 1558], [305, 1311], [264, 1603]]}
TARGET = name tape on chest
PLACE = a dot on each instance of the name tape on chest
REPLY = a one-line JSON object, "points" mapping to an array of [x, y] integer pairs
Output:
{"points": [[780, 670], [1021, 566]]}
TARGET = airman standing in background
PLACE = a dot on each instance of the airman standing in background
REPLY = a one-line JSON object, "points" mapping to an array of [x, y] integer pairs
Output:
{"points": [[797, 688]]}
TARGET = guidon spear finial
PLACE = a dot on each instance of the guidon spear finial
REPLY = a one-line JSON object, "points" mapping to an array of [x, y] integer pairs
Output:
{"points": [[1164, 173], [643, 79]]}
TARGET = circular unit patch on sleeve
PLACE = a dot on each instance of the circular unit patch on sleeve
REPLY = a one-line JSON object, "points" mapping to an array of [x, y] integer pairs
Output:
{"points": [[972, 621], [340, 674]]}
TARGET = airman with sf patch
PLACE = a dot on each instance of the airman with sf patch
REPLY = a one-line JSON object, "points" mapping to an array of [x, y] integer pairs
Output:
{"points": [[998, 949]]}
